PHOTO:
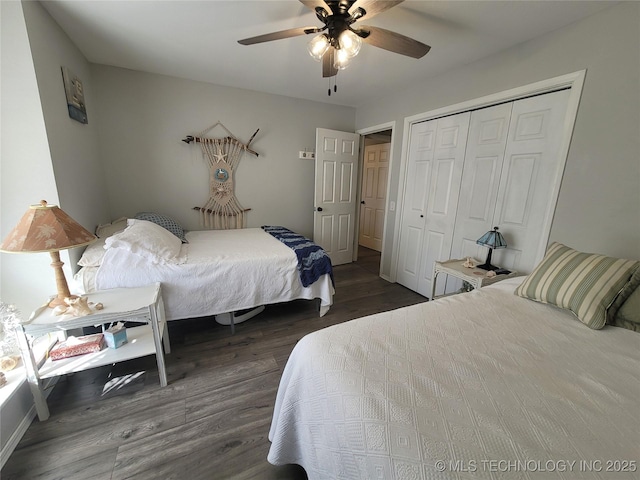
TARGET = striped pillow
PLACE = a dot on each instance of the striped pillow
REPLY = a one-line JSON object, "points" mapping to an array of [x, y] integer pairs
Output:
{"points": [[584, 283]]}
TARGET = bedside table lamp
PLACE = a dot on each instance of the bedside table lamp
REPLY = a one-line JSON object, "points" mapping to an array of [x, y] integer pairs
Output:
{"points": [[492, 239], [46, 228]]}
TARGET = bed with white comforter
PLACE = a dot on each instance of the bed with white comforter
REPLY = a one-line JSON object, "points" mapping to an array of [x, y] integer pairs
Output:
{"points": [[481, 385], [217, 271]]}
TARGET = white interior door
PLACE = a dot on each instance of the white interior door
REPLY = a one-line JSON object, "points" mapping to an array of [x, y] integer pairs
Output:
{"points": [[483, 162], [422, 141], [530, 170], [374, 194], [436, 159], [444, 192], [335, 193]]}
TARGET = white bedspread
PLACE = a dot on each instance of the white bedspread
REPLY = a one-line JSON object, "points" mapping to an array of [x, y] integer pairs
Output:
{"points": [[225, 271], [480, 385]]}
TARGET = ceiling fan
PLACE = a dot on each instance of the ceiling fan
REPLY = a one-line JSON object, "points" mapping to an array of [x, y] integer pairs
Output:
{"points": [[342, 40]]}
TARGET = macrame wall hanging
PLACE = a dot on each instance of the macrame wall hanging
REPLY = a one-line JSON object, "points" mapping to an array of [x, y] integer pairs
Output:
{"points": [[222, 210]]}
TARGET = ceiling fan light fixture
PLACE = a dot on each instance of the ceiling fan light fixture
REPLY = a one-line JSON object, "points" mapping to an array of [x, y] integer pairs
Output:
{"points": [[350, 43], [341, 59], [318, 46]]}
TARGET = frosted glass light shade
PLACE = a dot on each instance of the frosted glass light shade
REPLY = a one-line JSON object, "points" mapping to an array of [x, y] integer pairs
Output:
{"points": [[318, 46], [350, 43], [342, 59]]}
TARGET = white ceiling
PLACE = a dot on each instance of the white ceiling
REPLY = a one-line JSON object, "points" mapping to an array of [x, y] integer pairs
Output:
{"points": [[198, 40]]}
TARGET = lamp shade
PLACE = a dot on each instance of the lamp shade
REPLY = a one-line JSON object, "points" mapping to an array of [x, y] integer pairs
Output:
{"points": [[318, 46], [45, 228], [492, 239]]}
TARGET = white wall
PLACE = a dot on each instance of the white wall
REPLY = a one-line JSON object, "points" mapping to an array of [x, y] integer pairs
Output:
{"points": [[76, 162], [26, 176], [26, 169], [44, 155], [143, 118], [599, 203]]}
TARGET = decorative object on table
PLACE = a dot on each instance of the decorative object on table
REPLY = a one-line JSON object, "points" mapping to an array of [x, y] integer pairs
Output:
{"points": [[76, 307], [74, 346], [222, 210], [9, 321], [492, 239], [75, 96], [9, 348], [490, 274], [8, 363], [46, 228], [116, 335], [469, 263]]}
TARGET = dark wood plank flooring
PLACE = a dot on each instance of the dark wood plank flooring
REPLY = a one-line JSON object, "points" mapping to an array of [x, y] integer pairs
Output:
{"points": [[212, 420]]}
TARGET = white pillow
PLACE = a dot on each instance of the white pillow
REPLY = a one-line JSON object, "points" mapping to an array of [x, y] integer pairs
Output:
{"points": [[147, 240], [108, 229], [92, 255]]}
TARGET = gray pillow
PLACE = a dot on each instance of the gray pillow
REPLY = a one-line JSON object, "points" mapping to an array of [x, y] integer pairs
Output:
{"points": [[625, 311], [165, 222]]}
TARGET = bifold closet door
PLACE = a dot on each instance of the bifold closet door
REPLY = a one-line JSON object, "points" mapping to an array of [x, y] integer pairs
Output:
{"points": [[484, 157], [510, 169], [530, 172], [434, 171]]}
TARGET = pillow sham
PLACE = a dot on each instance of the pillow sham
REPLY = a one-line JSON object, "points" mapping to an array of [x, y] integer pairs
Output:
{"points": [[147, 240], [584, 283], [108, 229], [92, 255], [625, 310], [165, 222]]}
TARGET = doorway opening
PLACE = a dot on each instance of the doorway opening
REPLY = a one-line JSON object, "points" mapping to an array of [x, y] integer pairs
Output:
{"points": [[373, 192]]}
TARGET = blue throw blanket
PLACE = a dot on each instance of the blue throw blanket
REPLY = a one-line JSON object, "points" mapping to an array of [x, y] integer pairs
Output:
{"points": [[313, 261]]}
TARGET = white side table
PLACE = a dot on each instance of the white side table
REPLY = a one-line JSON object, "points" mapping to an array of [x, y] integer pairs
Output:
{"points": [[143, 304], [476, 277]]}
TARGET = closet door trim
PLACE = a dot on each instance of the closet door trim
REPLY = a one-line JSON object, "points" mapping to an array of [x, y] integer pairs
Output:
{"points": [[573, 81]]}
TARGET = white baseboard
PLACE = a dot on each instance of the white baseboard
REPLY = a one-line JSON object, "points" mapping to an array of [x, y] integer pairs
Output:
{"points": [[23, 426], [17, 435]]}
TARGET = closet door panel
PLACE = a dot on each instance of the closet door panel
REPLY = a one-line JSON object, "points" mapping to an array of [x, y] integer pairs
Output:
{"points": [[488, 133], [420, 157], [444, 191], [530, 169]]}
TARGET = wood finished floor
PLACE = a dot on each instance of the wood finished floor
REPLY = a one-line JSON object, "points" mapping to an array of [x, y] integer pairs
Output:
{"points": [[212, 420]]}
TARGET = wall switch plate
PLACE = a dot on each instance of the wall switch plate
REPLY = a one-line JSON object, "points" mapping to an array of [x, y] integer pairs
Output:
{"points": [[305, 154]]}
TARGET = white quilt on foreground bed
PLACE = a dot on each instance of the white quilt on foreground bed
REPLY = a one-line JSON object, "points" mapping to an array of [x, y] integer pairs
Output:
{"points": [[225, 271], [479, 385]]}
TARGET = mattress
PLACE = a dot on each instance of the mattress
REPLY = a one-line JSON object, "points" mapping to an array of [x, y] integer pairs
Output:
{"points": [[224, 271], [480, 385]]}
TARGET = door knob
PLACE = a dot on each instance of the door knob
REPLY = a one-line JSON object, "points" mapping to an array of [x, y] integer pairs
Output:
{"points": [[319, 209], [421, 216], [362, 202]]}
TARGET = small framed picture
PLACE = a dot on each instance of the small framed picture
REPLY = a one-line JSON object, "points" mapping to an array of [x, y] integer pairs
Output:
{"points": [[75, 96]]}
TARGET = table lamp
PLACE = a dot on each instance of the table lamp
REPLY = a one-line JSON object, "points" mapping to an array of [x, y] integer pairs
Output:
{"points": [[492, 239], [46, 228]]}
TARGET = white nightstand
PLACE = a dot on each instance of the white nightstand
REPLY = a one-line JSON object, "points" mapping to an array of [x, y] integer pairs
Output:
{"points": [[476, 277], [143, 304]]}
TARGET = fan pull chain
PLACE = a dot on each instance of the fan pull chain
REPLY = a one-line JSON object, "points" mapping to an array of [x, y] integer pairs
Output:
{"points": [[335, 85]]}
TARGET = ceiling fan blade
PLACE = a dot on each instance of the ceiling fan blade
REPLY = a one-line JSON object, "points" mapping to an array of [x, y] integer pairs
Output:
{"points": [[373, 7], [313, 4], [292, 32], [395, 42], [328, 70]]}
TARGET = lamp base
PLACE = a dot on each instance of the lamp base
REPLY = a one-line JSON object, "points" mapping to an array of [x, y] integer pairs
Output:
{"points": [[61, 282], [488, 267], [487, 263], [59, 302]]}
